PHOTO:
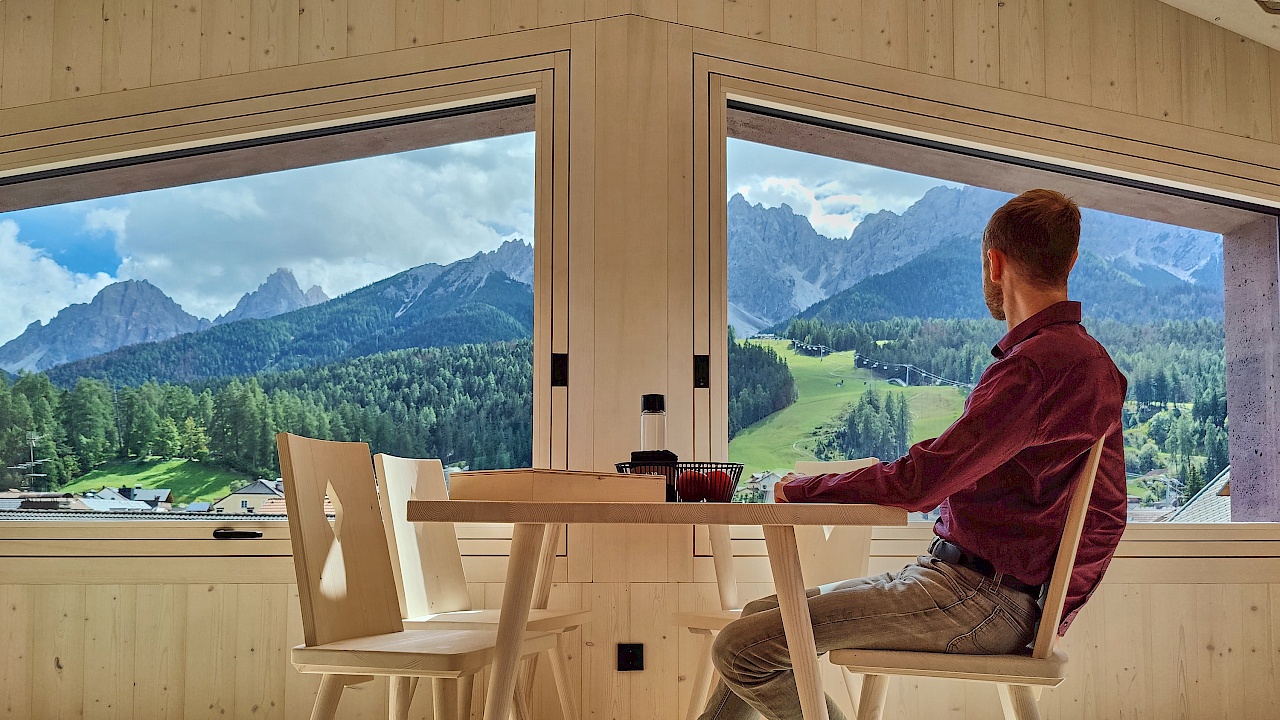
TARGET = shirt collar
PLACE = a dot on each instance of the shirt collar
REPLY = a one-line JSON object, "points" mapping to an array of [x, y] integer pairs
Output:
{"points": [[1066, 311]]}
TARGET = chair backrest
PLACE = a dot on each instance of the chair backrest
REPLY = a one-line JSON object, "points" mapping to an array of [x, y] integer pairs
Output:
{"points": [[1065, 562], [345, 582], [833, 554], [429, 576]]}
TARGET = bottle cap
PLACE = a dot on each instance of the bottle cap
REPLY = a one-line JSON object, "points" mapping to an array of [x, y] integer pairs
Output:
{"points": [[653, 403]]}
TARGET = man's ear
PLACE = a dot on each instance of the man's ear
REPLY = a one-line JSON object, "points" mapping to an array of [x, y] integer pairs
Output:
{"points": [[995, 265], [1074, 257]]}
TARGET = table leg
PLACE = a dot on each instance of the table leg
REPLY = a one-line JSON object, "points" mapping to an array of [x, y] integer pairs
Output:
{"points": [[522, 566], [784, 562]]}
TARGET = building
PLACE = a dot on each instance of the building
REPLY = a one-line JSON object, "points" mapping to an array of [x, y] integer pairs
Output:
{"points": [[248, 498]]}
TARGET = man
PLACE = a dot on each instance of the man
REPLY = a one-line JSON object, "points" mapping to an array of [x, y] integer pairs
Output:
{"points": [[1000, 475]]}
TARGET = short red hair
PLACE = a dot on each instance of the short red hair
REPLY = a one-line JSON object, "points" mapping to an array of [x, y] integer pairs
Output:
{"points": [[1039, 231]]}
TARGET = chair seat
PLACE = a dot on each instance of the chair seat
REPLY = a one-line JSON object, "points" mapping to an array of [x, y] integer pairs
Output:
{"points": [[1007, 669], [705, 620], [415, 653], [539, 620]]}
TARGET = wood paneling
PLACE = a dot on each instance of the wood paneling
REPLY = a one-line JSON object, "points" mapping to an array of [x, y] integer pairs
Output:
{"points": [[175, 44], [28, 52], [977, 41], [77, 48], [126, 44], [225, 29]]}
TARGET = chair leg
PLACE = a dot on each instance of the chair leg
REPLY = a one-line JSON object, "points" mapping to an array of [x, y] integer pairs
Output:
{"points": [[465, 683], [401, 694], [875, 690], [559, 663], [520, 708], [1018, 702], [444, 699], [702, 677], [326, 706], [849, 688]]}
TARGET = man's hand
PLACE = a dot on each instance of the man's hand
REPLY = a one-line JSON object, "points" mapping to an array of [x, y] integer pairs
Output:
{"points": [[778, 495]]}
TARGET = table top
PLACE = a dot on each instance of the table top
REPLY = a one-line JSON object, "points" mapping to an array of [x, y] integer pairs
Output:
{"points": [[654, 513]]}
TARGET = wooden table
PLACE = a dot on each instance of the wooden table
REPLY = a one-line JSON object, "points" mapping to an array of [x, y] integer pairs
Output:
{"points": [[778, 522]]}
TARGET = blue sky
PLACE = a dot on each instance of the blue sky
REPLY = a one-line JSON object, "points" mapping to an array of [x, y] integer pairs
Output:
{"points": [[344, 225]]}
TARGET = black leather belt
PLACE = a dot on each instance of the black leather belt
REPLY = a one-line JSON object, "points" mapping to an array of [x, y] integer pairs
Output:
{"points": [[950, 552]]}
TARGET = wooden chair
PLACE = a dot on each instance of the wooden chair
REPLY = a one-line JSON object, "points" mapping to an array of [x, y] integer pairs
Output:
{"points": [[351, 617], [430, 580], [1018, 677], [705, 624]]}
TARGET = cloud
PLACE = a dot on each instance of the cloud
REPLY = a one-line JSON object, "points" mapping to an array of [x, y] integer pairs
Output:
{"points": [[340, 226], [35, 286], [106, 220], [833, 194]]}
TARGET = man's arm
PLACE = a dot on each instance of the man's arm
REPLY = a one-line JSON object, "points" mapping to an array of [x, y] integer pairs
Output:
{"points": [[1001, 418]]}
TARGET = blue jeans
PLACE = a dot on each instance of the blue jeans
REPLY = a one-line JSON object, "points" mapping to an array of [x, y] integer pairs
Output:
{"points": [[930, 606]]}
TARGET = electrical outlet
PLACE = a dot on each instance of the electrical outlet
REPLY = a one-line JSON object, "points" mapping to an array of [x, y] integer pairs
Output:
{"points": [[630, 657]]}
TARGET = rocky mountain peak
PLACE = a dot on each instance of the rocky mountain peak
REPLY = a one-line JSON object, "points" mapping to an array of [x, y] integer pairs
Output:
{"points": [[279, 294], [123, 313]]}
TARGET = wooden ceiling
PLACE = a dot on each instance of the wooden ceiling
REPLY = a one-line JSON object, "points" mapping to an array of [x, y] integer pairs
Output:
{"points": [[1243, 17]]}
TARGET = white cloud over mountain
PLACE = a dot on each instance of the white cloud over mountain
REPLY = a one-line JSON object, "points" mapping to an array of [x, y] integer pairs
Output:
{"points": [[35, 286], [340, 226], [833, 194]]}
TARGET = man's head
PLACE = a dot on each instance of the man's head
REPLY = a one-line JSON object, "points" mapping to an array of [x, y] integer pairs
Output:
{"points": [[1030, 243]]}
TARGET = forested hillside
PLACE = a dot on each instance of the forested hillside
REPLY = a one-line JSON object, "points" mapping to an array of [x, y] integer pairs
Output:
{"points": [[760, 384]]}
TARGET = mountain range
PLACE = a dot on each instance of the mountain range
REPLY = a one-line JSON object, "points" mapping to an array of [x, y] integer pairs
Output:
{"points": [[485, 298], [131, 312], [779, 266]]}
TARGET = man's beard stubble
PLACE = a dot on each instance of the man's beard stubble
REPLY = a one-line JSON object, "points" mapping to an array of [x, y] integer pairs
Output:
{"points": [[994, 295]]}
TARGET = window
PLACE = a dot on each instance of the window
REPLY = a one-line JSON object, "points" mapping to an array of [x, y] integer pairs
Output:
{"points": [[375, 285], [857, 321]]}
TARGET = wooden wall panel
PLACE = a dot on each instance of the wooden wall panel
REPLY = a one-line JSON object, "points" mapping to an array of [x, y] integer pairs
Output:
{"points": [[371, 26], [1248, 94], [419, 22], [884, 32], [1204, 81], [126, 44], [175, 45], [977, 41], [1158, 31], [1068, 52], [839, 28], [1022, 38], [225, 29], [931, 37], [1114, 67], [322, 30], [28, 52], [77, 48]]}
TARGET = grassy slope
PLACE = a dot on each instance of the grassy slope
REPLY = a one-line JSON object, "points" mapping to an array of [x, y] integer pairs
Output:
{"points": [[778, 441], [189, 480]]}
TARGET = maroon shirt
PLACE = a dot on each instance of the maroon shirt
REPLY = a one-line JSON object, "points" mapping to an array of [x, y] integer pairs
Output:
{"points": [[1001, 474]]}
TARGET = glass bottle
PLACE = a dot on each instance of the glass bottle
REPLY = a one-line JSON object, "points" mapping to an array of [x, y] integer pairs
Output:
{"points": [[653, 422]]}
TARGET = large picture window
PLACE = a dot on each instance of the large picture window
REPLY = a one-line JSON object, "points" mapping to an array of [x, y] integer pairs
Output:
{"points": [[857, 321], [153, 343]]}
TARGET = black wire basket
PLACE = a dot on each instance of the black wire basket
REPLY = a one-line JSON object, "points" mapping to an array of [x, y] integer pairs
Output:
{"points": [[692, 481]]}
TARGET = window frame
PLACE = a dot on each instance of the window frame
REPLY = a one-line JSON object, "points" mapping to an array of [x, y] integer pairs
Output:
{"points": [[180, 131], [722, 84]]}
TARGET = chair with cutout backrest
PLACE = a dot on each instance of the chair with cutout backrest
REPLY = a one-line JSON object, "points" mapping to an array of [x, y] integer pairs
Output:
{"points": [[351, 616], [705, 624], [429, 576], [1018, 677]]}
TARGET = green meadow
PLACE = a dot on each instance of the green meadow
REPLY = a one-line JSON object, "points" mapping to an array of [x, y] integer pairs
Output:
{"points": [[824, 388], [189, 480]]}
